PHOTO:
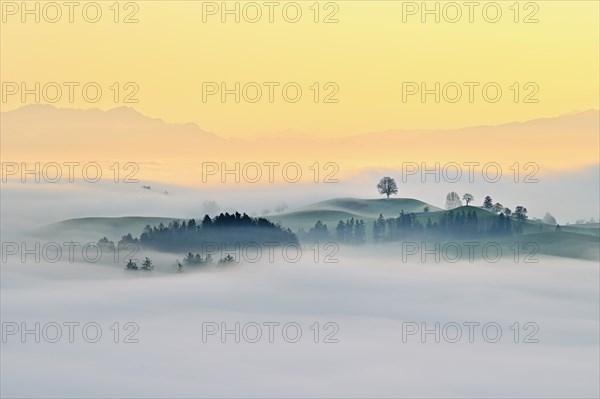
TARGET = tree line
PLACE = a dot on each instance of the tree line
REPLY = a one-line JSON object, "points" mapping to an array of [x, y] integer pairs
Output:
{"points": [[351, 231], [224, 229]]}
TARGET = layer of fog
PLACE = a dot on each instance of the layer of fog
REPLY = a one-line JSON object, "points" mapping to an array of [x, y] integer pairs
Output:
{"points": [[568, 196], [367, 296]]}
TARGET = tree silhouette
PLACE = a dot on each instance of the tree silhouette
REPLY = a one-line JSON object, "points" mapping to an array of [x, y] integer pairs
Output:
{"points": [[360, 232], [387, 186], [340, 231], [131, 265], [468, 198], [147, 264], [227, 259], [379, 228], [452, 200], [487, 202], [521, 213]]}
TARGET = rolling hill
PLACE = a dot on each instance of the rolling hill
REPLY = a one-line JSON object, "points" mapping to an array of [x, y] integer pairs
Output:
{"points": [[332, 211], [573, 241], [94, 228], [329, 212]]}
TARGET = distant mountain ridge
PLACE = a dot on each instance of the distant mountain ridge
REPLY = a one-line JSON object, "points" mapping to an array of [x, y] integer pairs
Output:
{"points": [[174, 153]]}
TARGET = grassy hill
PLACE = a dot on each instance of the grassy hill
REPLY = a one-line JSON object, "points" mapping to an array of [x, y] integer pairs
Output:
{"points": [[573, 240], [329, 212], [371, 208], [560, 243], [332, 211], [592, 229], [94, 228]]}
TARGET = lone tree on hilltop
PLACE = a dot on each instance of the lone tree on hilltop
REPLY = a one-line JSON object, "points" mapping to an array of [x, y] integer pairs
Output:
{"points": [[387, 186], [468, 198]]}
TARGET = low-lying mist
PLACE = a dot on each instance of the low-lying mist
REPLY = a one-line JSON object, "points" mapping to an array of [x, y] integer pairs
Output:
{"points": [[569, 196], [372, 311], [341, 321]]}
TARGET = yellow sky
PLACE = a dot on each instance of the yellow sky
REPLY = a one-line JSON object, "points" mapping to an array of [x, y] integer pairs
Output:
{"points": [[367, 55]]}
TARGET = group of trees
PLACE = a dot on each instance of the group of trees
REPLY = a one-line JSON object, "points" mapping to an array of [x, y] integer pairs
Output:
{"points": [[454, 201], [317, 233], [489, 205], [146, 265], [388, 186], [520, 213], [351, 231], [200, 260], [394, 228], [189, 260], [224, 229], [451, 224], [463, 223], [197, 259]]}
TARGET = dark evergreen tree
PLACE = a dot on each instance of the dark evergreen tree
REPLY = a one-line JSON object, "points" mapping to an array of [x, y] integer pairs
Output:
{"points": [[340, 231], [131, 265], [360, 232], [147, 265], [379, 229], [487, 203]]}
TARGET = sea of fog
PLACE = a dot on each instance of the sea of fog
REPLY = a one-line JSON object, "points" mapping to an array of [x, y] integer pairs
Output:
{"points": [[368, 325], [365, 326]]}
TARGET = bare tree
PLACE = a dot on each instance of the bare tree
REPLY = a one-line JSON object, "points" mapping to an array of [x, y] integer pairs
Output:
{"points": [[387, 186], [452, 200], [468, 198]]}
